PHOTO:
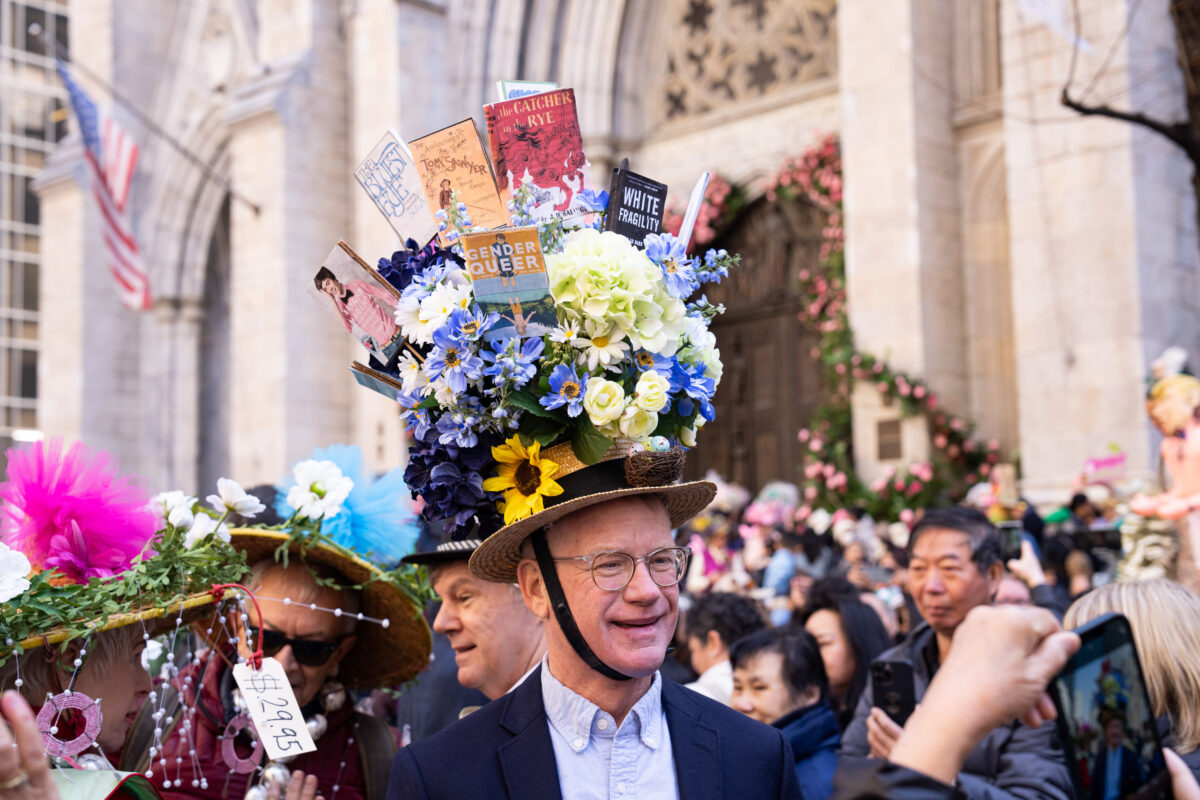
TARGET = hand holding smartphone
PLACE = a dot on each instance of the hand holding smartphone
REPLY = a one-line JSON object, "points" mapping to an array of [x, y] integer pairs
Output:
{"points": [[1105, 718], [893, 689]]}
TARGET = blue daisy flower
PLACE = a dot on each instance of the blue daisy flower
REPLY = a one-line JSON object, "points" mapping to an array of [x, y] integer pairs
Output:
{"points": [[452, 360], [566, 389]]}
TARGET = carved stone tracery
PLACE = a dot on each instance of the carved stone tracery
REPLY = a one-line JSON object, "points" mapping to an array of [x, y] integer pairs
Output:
{"points": [[729, 50]]}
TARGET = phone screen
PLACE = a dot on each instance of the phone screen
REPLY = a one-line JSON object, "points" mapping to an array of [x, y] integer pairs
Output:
{"points": [[1011, 534], [1112, 744]]}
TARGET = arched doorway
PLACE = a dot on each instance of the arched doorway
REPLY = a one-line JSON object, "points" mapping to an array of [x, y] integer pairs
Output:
{"points": [[771, 384]]}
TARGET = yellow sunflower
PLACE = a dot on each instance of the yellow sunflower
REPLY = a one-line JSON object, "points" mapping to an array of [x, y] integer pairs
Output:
{"points": [[524, 477]]}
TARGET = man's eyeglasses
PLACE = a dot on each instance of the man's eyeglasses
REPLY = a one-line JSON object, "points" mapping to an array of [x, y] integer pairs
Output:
{"points": [[309, 652], [613, 571]]}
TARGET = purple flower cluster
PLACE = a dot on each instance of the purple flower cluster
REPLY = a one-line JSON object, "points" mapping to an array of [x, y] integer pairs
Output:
{"points": [[405, 265], [449, 478]]}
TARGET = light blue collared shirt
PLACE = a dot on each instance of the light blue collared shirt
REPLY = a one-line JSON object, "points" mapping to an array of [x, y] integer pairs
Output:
{"points": [[599, 761]]}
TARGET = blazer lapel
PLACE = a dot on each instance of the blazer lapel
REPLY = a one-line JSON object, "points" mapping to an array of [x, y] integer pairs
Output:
{"points": [[695, 746], [527, 760]]}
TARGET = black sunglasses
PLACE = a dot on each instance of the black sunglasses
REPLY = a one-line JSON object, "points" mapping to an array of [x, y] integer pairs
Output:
{"points": [[309, 652]]}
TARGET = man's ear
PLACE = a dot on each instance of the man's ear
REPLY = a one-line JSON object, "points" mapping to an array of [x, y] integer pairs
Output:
{"points": [[994, 573], [714, 644], [533, 589]]}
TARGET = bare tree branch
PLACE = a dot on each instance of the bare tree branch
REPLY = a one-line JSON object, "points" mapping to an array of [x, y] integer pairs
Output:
{"points": [[1181, 133]]}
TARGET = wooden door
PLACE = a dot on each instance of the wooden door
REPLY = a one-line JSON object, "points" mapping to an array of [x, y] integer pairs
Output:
{"points": [[771, 383]]}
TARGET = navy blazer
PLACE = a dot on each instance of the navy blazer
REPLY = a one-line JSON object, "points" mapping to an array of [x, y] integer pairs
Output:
{"points": [[503, 751]]}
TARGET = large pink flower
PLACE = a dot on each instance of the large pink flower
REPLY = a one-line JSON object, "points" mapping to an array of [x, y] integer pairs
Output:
{"points": [[73, 511]]}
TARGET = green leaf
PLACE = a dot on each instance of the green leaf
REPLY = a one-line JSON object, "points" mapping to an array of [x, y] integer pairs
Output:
{"points": [[545, 432], [428, 402], [527, 402], [588, 443]]}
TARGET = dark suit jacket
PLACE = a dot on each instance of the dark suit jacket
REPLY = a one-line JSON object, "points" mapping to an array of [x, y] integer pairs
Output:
{"points": [[1131, 772], [503, 751]]}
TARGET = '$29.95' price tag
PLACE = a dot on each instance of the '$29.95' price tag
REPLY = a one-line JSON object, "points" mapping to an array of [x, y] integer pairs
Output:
{"points": [[274, 709]]}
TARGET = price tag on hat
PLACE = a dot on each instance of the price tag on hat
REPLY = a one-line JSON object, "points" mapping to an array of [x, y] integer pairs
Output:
{"points": [[273, 707]]}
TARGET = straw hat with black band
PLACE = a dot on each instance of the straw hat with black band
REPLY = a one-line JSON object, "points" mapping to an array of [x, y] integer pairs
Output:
{"points": [[624, 471]]}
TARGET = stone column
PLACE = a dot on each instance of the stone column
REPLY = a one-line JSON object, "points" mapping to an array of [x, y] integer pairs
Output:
{"points": [[902, 227]]}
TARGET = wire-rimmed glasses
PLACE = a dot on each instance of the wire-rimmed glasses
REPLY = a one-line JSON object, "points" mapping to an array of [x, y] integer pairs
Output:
{"points": [[612, 571]]}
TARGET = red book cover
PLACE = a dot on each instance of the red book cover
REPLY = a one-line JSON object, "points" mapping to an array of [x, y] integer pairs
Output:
{"points": [[537, 138]]}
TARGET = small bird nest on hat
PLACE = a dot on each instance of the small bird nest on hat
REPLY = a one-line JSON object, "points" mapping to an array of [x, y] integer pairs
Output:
{"points": [[651, 468]]}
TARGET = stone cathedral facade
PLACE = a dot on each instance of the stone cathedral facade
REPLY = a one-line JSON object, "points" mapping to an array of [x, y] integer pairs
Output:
{"points": [[1027, 262]]}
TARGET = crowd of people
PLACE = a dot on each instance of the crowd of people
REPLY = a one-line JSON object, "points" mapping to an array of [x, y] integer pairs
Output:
{"points": [[662, 640]]}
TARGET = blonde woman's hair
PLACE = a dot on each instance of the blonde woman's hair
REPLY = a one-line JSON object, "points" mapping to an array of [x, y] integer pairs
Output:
{"points": [[1165, 617]]}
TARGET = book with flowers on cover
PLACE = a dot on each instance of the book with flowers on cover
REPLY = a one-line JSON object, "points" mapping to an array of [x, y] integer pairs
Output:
{"points": [[624, 359]]}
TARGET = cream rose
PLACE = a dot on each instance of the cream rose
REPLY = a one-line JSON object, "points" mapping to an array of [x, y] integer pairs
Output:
{"points": [[652, 392], [604, 401], [638, 424]]}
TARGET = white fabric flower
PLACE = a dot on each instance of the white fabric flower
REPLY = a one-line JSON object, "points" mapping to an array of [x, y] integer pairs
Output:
{"points": [[411, 374], [202, 528], [164, 504], [440, 304], [602, 346], [181, 516], [320, 489], [699, 334], [408, 317], [14, 573], [565, 333], [231, 496], [151, 653], [637, 424]]}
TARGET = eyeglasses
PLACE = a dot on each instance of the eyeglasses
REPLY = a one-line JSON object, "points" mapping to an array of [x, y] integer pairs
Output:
{"points": [[309, 652], [613, 571]]}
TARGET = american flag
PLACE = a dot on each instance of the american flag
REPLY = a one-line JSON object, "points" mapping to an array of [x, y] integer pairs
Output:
{"points": [[111, 155]]}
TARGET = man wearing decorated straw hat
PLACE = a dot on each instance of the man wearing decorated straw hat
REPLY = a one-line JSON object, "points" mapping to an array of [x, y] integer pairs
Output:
{"points": [[335, 622], [497, 641], [596, 719]]}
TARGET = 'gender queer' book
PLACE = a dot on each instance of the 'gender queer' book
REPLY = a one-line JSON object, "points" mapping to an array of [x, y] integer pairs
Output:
{"points": [[509, 277]]}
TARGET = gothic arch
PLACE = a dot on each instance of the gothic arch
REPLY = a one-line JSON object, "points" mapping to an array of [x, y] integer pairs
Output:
{"points": [[211, 48]]}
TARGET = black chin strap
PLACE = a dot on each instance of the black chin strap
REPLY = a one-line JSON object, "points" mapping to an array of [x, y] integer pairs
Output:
{"points": [[562, 612]]}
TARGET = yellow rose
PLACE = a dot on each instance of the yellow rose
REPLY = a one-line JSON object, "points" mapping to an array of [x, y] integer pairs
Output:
{"points": [[638, 424], [687, 437], [651, 392], [603, 400]]}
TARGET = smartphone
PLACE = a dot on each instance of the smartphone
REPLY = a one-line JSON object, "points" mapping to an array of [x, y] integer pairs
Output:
{"points": [[1011, 534], [1104, 715], [878, 575], [893, 689]]}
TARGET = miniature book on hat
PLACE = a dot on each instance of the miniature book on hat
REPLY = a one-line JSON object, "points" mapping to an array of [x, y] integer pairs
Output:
{"points": [[635, 205], [390, 177], [361, 299], [537, 138], [452, 161], [508, 274]]}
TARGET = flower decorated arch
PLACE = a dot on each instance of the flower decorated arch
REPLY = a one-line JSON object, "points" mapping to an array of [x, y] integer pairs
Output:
{"points": [[826, 472]]}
